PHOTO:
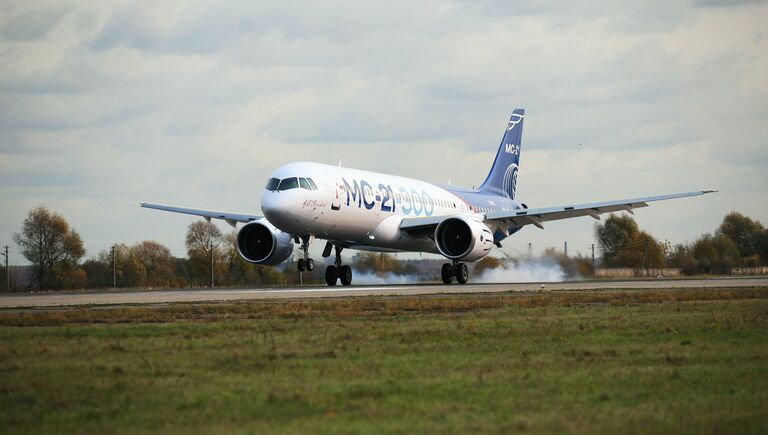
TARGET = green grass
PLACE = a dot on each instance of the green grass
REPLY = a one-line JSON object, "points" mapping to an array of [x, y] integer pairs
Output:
{"points": [[562, 362]]}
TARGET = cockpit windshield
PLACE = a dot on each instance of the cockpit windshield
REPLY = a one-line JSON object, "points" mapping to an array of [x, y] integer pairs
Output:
{"points": [[288, 184], [274, 184]]}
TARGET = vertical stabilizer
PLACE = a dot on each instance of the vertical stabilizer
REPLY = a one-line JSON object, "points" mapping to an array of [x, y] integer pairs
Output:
{"points": [[502, 179]]}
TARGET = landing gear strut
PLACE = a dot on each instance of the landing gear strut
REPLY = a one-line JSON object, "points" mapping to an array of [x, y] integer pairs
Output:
{"points": [[337, 271], [454, 270], [306, 263]]}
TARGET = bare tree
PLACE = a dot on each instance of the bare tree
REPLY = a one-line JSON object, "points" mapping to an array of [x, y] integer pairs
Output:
{"points": [[235, 267], [203, 242], [49, 243]]}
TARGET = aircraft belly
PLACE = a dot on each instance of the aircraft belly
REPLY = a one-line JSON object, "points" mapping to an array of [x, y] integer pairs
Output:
{"points": [[350, 224], [387, 234], [373, 230]]}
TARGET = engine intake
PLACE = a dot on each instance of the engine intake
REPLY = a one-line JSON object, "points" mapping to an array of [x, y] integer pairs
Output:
{"points": [[260, 242], [463, 238]]}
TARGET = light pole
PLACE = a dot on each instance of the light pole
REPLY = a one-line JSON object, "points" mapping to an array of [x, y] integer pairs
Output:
{"points": [[114, 268], [7, 270]]}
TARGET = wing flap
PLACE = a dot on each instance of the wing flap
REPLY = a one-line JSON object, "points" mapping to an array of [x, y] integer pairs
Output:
{"points": [[540, 215], [537, 216]]}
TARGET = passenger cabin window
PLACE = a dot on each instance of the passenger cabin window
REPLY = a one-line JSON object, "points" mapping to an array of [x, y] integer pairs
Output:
{"points": [[288, 183], [304, 184], [272, 184], [312, 183]]}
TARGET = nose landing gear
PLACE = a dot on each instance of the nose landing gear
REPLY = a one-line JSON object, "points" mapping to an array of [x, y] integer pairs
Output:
{"points": [[337, 271], [306, 263], [454, 270]]}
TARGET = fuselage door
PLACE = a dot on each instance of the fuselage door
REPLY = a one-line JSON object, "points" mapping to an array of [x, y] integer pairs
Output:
{"points": [[337, 195]]}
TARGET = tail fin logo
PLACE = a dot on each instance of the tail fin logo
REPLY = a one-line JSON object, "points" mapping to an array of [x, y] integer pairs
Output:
{"points": [[502, 178], [514, 120], [509, 183], [512, 148]]}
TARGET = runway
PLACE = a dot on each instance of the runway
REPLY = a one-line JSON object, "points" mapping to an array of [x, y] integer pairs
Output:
{"points": [[52, 299]]}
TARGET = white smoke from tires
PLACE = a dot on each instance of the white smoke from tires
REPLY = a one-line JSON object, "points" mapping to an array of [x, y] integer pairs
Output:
{"points": [[528, 270]]}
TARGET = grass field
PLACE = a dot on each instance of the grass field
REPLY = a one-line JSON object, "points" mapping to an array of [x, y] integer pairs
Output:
{"points": [[687, 361]]}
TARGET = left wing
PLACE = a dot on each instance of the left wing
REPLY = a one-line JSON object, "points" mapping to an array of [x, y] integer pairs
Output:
{"points": [[230, 218], [537, 216]]}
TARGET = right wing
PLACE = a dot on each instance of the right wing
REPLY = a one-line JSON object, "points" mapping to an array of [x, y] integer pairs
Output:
{"points": [[230, 218], [537, 216]]}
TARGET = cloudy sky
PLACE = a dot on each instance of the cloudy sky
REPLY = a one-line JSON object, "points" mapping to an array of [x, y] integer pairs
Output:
{"points": [[105, 104]]}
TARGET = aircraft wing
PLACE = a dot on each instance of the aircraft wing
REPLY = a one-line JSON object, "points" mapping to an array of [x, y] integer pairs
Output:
{"points": [[537, 216], [230, 218]]}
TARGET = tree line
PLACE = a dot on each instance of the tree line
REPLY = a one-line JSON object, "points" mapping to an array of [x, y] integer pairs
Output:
{"points": [[55, 251], [739, 241]]}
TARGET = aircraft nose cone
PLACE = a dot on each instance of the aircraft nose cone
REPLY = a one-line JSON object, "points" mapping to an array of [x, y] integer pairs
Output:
{"points": [[270, 204], [279, 207]]}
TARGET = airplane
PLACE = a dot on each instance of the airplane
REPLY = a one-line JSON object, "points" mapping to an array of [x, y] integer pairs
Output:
{"points": [[370, 211]]}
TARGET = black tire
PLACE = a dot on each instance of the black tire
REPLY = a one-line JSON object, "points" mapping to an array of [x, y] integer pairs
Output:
{"points": [[345, 275], [310, 265], [447, 273], [301, 265], [331, 275], [462, 273]]}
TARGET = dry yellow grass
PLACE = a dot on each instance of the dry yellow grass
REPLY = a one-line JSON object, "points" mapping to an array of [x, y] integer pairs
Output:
{"points": [[358, 307]]}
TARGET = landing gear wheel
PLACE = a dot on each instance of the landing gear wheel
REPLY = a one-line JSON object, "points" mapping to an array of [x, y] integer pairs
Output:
{"points": [[345, 275], [447, 273], [337, 271], [462, 273], [305, 263], [331, 275]]}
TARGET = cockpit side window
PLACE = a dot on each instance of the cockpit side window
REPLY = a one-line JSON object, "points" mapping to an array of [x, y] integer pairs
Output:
{"points": [[272, 184], [288, 183], [304, 184], [312, 183]]}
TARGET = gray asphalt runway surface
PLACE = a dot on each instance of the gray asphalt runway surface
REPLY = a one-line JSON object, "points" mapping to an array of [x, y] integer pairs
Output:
{"points": [[49, 299]]}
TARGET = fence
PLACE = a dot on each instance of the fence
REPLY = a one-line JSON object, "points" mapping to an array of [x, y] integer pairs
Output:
{"points": [[628, 272], [760, 270]]}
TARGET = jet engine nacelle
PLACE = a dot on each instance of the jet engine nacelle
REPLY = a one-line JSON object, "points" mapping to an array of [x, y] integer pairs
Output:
{"points": [[259, 242], [463, 238]]}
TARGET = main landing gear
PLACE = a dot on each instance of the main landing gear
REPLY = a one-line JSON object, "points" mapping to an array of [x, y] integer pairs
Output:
{"points": [[306, 263], [454, 269], [337, 271]]}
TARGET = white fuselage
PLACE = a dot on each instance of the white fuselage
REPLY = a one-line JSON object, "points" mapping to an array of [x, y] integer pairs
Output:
{"points": [[361, 208]]}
